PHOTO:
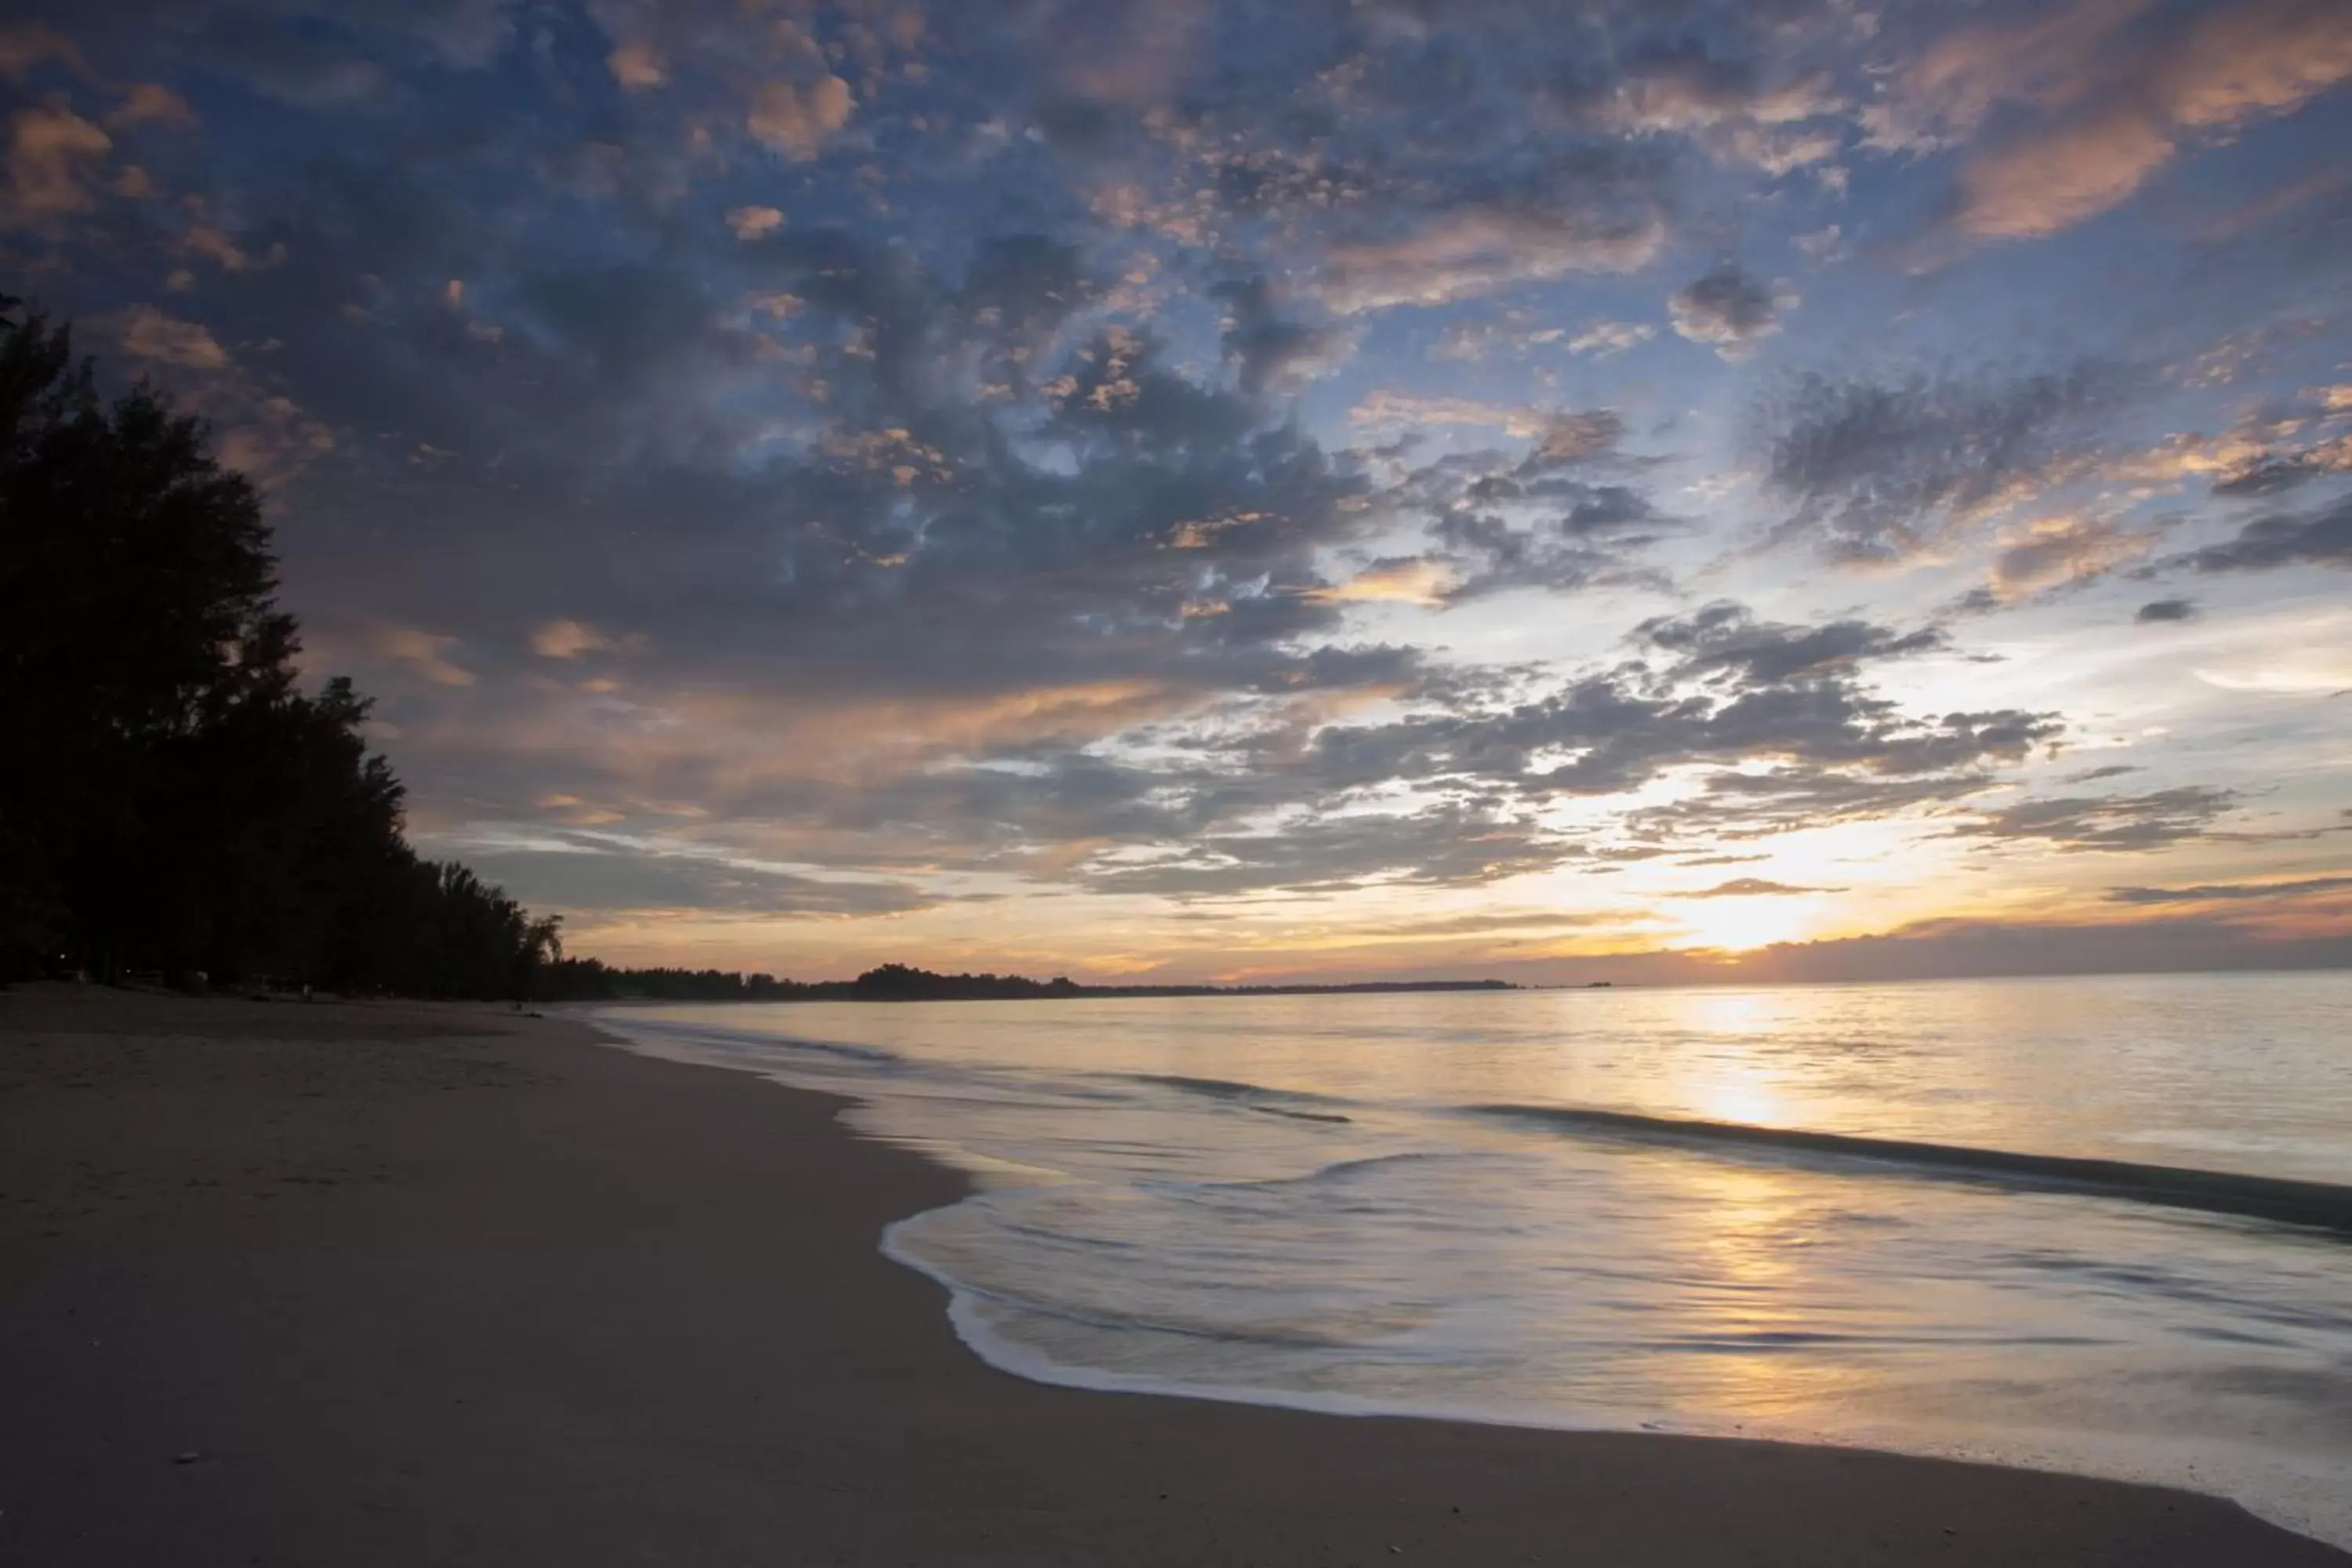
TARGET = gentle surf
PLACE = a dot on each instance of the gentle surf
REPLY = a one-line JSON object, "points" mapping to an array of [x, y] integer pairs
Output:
{"points": [[2081, 1224]]}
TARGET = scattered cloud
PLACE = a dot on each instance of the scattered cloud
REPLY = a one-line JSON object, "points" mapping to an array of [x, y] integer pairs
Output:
{"points": [[1729, 311], [1566, 440], [2232, 892], [27, 45], [145, 333], [1880, 471], [2083, 102], [1272, 350], [1955, 947], [54, 155], [150, 102], [2108, 824], [2321, 538], [1750, 888], [1402, 410], [1445, 846], [798, 120], [2063, 553], [569, 639], [1726, 639], [1594, 209], [1411, 582], [2268, 472], [752, 222], [2059, 178], [421, 651], [1607, 340], [637, 65], [600, 876]]}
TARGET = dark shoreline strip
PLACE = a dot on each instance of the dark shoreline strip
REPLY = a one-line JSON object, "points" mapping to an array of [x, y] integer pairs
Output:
{"points": [[2316, 1204]]}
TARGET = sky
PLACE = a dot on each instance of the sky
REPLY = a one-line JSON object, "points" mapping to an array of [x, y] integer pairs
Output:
{"points": [[1255, 489]]}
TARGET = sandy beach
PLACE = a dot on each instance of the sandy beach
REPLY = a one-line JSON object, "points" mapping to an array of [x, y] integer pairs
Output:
{"points": [[327, 1285]]}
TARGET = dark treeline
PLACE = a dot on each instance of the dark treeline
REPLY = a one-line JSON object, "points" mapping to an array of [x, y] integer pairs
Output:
{"points": [[586, 980], [172, 801], [590, 980]]}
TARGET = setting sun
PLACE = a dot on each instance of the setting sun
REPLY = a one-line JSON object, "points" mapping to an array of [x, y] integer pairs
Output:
{"points": [[1737, 924]]}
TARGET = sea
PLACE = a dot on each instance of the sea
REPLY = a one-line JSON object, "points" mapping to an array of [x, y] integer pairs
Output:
{"points": [[2098, 1224]]}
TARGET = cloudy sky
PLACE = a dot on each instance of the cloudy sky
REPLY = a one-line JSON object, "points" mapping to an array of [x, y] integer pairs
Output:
{"points": [[1243, 488]]}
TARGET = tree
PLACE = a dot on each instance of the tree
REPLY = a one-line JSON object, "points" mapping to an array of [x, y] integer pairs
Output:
{"points": [[169, 797]]}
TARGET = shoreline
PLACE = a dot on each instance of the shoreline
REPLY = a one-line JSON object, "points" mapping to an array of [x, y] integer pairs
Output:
{"points": [[2296, 1497], [418, 1283]]}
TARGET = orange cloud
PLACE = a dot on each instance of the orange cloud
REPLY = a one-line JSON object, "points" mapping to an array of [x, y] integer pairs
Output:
{"points": [[421, 652], [1385, 407], [2061, 550], [53, 158], [1479, 251], [2055, 181], [752, 222], [796, 121], [2048, 58], [1399, 582], [153, 101], [636, 65], [2244, 60], [2118, 96], [150, 334], [270, 438], [569, 639], [28, 45], [203, 240]]}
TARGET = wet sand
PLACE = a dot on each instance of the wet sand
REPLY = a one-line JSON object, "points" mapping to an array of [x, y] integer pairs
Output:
{"points": [[330, 1285]]}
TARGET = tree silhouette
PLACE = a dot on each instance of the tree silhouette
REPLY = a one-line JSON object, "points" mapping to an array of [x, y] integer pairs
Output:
{"points": [[169, 798]]}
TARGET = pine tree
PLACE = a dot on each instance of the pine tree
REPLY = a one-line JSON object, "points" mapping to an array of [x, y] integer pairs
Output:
{"points": [[169, 797]]}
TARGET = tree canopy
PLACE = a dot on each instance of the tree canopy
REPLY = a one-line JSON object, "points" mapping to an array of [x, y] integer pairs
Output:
{"points": [[172, 799]]}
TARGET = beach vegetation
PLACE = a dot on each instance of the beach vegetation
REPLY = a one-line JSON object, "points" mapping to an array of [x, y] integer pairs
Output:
{"points": [[174, 799]]}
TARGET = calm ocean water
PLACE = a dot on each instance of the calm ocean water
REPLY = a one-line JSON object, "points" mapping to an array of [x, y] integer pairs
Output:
{"points": [[1387, 1202]]}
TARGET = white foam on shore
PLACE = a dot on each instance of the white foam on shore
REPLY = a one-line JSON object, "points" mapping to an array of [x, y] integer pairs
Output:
{"points": [[2306, 1498], [2315, 1509]]}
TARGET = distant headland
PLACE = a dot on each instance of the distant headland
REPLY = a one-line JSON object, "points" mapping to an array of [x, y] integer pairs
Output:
{"points": [[589, 980]]}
